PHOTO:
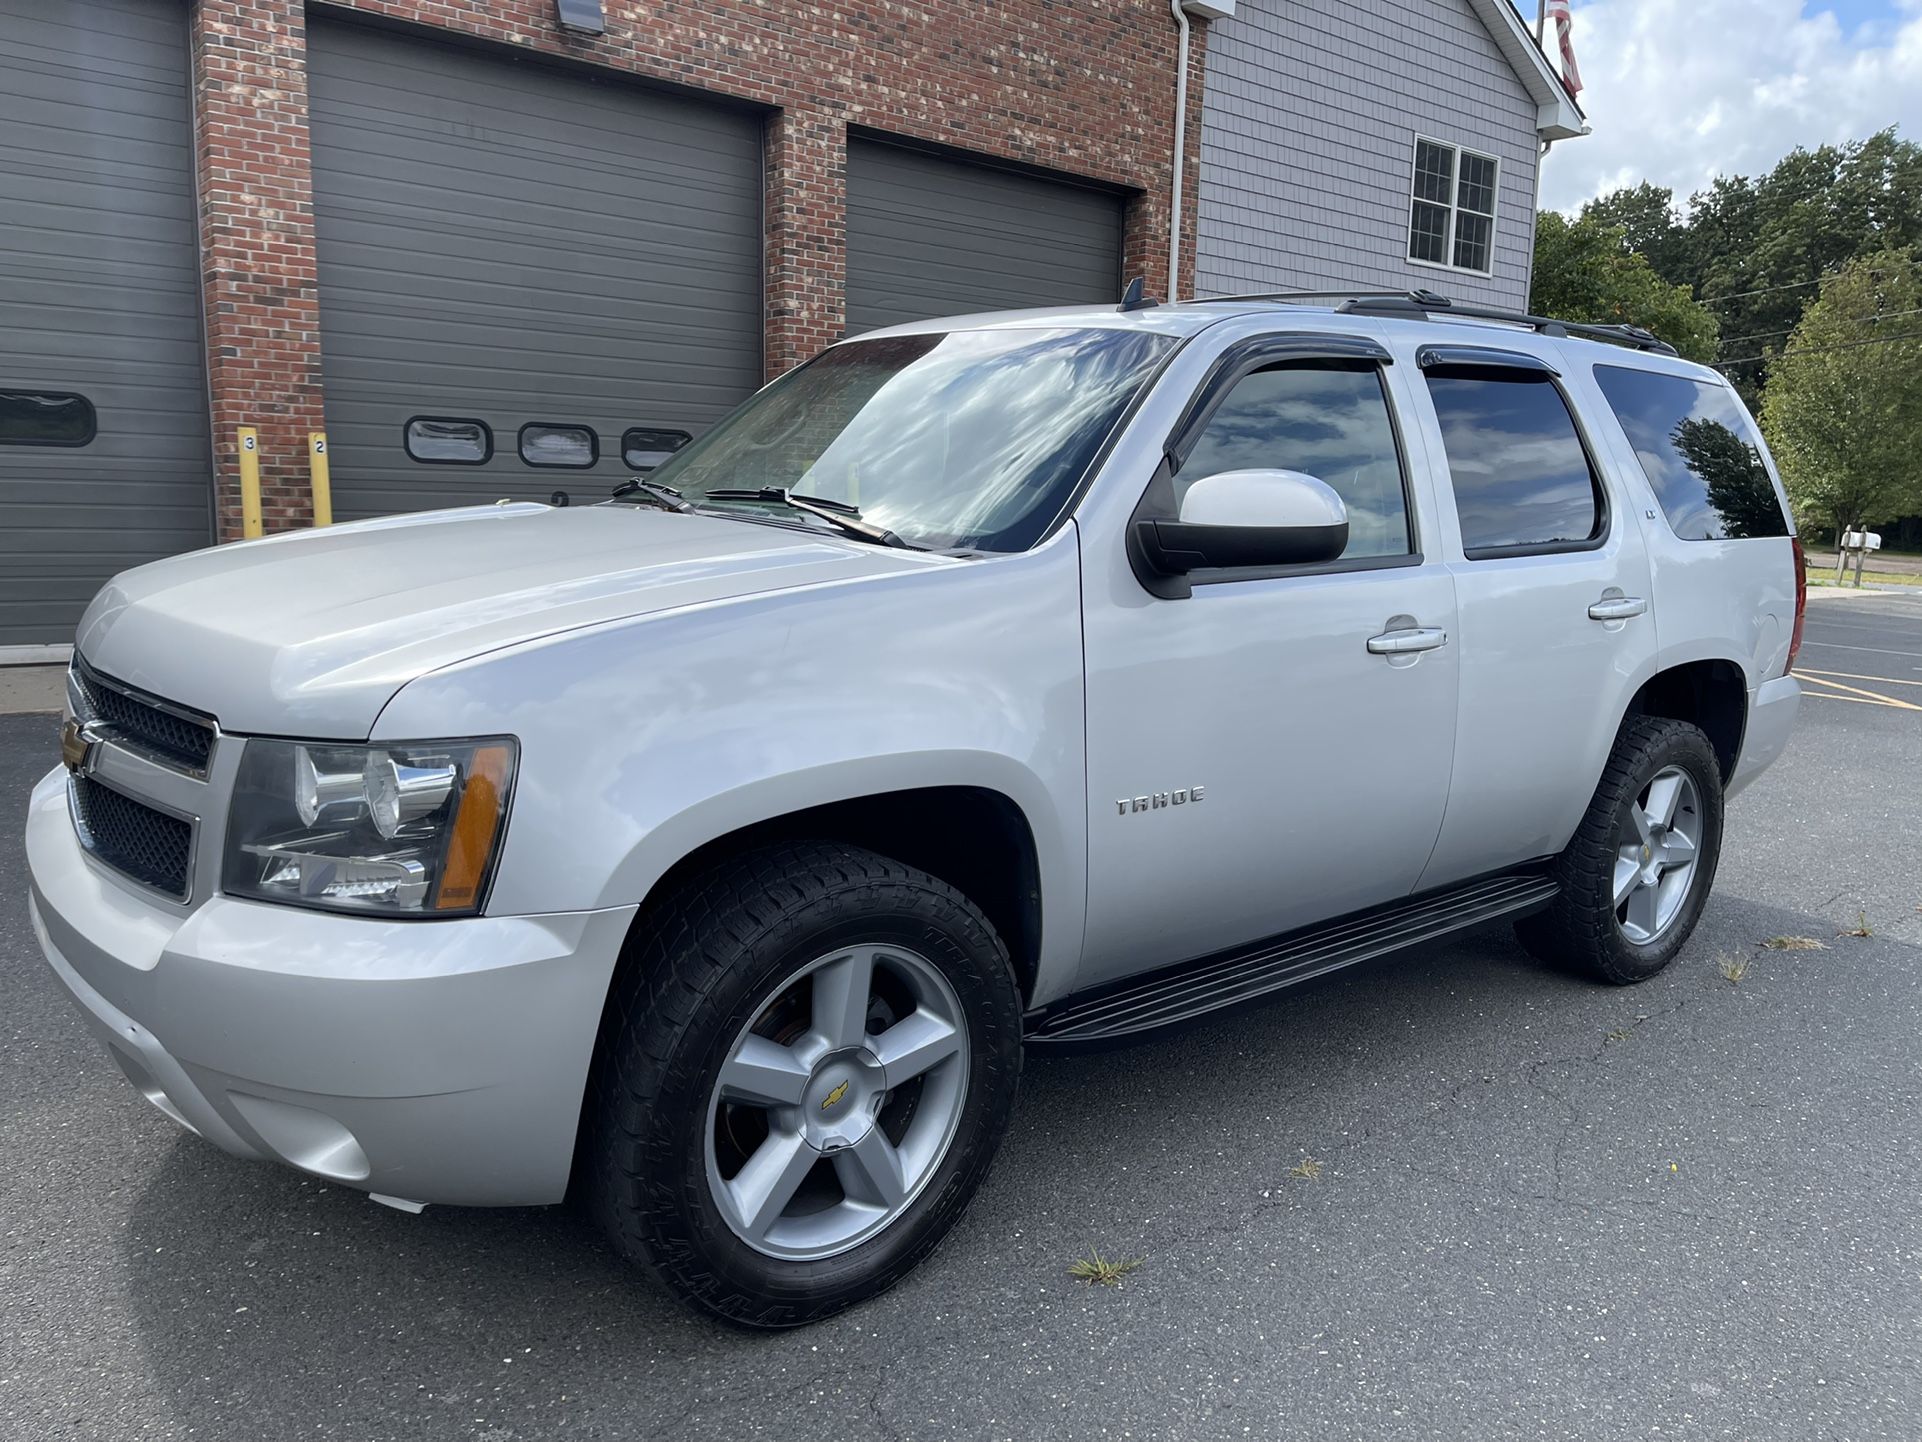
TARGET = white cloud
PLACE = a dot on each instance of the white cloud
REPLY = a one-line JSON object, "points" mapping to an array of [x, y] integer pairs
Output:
{"points": [[1680, 91]]}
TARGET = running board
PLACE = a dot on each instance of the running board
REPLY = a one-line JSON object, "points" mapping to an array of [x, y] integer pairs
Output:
{"points": [[1173, 995]]}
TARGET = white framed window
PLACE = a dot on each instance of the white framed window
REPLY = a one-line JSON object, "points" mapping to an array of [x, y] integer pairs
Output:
{"points": [[1451, 214]]}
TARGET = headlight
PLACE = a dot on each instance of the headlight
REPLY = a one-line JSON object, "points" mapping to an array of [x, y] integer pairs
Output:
{"points": [[408, 829]]}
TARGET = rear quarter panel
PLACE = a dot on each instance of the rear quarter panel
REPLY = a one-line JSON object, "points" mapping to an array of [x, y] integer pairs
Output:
{"points": [[1730, 600]]}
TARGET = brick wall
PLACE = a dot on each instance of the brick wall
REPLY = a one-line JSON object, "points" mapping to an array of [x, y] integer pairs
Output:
{"points": [[262, 302], [1080, 86]]}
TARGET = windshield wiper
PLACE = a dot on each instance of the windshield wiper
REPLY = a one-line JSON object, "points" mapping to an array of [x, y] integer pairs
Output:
{"points": [[837, 513], [666, 497]]}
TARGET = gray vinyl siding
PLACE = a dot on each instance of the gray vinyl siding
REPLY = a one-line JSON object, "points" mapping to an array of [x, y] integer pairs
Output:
{"points": [[1309, 124]]}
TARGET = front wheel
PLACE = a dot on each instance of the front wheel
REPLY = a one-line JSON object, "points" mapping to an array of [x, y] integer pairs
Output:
{"points": [[803, 1080], [1637, 872]]}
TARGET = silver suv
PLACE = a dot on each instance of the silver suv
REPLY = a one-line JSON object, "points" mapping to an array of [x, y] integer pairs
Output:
{"points": [[1044, 678]]}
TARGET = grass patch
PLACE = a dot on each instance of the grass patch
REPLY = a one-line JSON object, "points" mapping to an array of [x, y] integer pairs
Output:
{"points": [[1308, 1169], [1869, 578], [1861, 927], [1097, 1271], [1795, 943], [1733, 966]]}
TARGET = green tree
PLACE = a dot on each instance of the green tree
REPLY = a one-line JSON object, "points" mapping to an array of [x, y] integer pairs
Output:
{"points": [[1651, 226], [1585, 270], [1843, 412], [1761, 247]]}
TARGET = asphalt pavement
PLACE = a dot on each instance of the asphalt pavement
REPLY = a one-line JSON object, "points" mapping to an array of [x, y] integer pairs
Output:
{"points": [[1543, 1208]]}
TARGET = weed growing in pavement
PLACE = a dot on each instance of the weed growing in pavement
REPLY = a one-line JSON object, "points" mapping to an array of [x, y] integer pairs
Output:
{"points": [[1795, 943], [1733, 966], [1861, 927], [1621, 1033], [1307, 1168], [1097, 1270]]}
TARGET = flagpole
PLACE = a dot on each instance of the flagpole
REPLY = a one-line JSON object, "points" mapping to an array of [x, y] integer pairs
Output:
{"points": [[1541, 20]]}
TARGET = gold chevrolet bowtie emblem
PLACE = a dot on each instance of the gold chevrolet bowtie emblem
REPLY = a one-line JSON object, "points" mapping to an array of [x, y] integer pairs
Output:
{"points": [[834, 1096], [76, 742]]}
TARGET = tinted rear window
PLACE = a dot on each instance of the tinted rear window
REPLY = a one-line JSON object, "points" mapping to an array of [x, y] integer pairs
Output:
{"points": [[1521, 476], [1700, 453]]}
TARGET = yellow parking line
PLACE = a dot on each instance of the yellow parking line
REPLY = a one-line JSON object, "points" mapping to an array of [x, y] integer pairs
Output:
{"points": [[1858, 700], [1873, 697], [1857, 676]]}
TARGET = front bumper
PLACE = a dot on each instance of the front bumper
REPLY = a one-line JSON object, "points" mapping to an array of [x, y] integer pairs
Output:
{"points": [[424, 1061], [1771, 717]]}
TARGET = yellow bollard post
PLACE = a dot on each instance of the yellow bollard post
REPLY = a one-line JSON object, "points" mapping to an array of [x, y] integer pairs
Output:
{"points": [[249, 482], [323, 485]]}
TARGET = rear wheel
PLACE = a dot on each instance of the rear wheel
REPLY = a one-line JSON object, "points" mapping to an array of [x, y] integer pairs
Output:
{"points": [[1637, 872], [803, 1079]]}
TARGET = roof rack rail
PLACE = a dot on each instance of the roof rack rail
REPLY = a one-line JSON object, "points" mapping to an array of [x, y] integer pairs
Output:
{"points": [[1426, 302]]}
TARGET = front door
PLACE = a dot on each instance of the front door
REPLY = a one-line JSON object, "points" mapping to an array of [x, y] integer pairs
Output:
{"points": [[1252, 764]]}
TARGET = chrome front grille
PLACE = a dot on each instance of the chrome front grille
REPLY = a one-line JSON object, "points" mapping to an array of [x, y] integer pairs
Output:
{"points": [[153, 847], [169, 734]]}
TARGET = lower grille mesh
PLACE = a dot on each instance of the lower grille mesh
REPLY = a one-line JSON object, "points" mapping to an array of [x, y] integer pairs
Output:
{"points": [[148, 845]]}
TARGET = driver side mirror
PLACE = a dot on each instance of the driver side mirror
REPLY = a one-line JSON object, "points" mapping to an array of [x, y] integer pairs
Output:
{"points": [[1248, 518]]}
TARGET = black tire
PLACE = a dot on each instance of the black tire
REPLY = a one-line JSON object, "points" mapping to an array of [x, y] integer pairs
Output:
{"points": [[704, 965], [1581, 928]]}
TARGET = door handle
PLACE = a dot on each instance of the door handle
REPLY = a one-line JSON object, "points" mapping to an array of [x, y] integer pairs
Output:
{"points": [[1401, 643], [1617, 608]]}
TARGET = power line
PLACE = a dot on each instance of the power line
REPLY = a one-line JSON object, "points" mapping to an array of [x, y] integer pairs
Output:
{"points": [[1765, 290], [1772, 289], [1850, 319], [1818, 349]]}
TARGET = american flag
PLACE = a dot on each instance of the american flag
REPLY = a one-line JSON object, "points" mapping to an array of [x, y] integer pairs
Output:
{"points": [[1571, 77]]}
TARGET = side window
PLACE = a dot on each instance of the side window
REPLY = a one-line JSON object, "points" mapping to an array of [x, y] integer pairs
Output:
{"points": [[1700, 453], [1327, 418], [1521, 476]]}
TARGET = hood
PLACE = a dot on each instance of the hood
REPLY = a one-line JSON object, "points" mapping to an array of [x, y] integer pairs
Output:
{"points": [[311, 633]]}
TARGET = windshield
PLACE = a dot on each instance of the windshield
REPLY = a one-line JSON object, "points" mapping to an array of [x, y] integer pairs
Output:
{"points": [[966, 440]]}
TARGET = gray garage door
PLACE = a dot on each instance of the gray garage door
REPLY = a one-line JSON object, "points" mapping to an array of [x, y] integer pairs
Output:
{"points": [[504, 245], [930, 236], [104, 460]]}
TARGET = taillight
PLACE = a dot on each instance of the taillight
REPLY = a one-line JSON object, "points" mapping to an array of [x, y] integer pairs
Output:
{"points": [[1801, 601]]}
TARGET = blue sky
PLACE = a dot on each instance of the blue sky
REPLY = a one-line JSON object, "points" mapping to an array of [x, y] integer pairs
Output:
{"points": [[1680, 91]]}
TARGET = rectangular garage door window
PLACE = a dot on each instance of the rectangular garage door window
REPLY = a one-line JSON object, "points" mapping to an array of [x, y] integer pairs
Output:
{"points": [[442, 441], [643, 450], [45, 418], [569, 447]]}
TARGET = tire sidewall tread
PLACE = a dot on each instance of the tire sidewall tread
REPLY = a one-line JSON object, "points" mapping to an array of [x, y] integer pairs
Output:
{"points": [[1580, 926], [704, 962]]}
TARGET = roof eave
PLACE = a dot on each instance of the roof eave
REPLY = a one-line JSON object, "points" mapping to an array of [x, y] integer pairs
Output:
{"points": [[1557, 116]]}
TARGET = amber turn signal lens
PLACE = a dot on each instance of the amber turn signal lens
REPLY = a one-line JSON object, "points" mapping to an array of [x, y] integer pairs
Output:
{"points": [[477, 827]]}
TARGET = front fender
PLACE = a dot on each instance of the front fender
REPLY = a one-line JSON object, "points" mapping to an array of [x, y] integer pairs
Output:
{"points": [[644, 740]]}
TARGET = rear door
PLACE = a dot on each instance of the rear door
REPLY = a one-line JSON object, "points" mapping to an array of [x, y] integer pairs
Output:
{"points": [[1556, 629]]}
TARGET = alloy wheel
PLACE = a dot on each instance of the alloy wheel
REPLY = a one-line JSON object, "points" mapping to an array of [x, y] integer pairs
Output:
{"points": [[1655, 855], [837, 1103]]}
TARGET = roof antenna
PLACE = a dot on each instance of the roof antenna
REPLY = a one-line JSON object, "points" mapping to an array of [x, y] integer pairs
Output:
{"points": [[1135, 296]]}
